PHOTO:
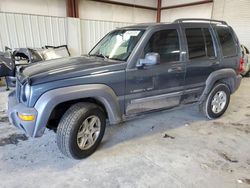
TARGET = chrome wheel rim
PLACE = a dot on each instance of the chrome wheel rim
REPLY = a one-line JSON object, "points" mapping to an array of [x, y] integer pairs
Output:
{"points": [[88, 132], [219, 102]]}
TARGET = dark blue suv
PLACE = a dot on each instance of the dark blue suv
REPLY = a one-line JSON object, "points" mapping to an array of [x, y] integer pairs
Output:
{"points": [[132, 70]]}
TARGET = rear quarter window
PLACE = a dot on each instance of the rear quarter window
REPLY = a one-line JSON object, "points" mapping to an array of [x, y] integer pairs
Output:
{"points": [[227, 42]]}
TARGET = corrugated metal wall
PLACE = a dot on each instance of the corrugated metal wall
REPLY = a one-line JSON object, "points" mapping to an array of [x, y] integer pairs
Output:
{"points": [[24, 30], [93, 30]]}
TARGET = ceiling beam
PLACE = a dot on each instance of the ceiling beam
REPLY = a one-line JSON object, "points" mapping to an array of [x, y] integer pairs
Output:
{"points": [[125, 4], [158, 16], [72, 7], [187, 4]]}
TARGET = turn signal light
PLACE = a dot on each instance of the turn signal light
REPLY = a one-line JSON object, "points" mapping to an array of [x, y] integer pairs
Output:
{"points": [[26, 117]]}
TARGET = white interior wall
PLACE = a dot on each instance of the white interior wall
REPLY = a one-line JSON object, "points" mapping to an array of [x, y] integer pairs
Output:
{"points": [[38, 7], [24, 30], [166, 3], [93, 10], [196, 11], [236, 13]]}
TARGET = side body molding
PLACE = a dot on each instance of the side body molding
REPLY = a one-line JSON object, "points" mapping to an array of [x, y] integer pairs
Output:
{"points": [[49, 100], [226, 75]]}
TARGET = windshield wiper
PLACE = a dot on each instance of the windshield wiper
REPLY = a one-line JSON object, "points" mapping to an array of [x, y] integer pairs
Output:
{"points": [[116, 59], [99, 55]]}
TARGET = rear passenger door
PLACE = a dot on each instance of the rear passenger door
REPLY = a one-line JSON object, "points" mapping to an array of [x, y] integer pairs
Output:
{"points": [[201, 58]]}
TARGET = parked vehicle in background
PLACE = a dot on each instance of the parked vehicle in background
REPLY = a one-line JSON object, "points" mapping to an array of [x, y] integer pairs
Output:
{"points": [[7, 67], [131, 71], [246, 61], [13, 59]]}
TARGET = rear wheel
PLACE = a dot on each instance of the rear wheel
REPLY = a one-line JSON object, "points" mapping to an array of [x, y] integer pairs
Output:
{"points": [[216, 102], [81, 130]]}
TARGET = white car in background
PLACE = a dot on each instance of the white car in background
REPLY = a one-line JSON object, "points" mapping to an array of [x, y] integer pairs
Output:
{"points": [[246, 61]]}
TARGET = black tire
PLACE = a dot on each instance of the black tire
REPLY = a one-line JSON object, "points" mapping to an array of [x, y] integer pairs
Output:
{"points": [[206, 105], [70, 124]]}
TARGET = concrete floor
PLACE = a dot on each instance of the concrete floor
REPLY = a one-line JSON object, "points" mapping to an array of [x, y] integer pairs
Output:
{"points": [[178, 148]]}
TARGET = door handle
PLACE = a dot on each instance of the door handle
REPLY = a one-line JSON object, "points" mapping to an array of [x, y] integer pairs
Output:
{"points": [[216, 63], [174, 69]]}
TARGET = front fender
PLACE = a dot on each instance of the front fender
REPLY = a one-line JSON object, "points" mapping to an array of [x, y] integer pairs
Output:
{"points": [[49, 100]]}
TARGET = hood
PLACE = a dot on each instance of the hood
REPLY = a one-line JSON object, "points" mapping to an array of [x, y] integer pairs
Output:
{"points": [[63, 68]]}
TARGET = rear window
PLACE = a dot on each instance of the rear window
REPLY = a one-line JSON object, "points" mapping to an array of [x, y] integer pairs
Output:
{"points": [[227, 42], [200, 43]]}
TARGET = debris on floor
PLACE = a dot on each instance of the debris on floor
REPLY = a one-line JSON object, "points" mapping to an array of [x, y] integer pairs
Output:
{"points": [[2, 111], [237, 124], [13, 139], [248, 162], [218, 123], [239, 181], [228, 157], [165, 135], [204, 166], [246, 181], [4, 119]]}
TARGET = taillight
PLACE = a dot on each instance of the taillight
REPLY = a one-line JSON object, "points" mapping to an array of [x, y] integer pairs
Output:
{"points": [[241, 68]]}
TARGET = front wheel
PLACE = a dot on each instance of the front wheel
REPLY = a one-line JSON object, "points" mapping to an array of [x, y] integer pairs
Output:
{"points": [[216, 102], [81, 130]]}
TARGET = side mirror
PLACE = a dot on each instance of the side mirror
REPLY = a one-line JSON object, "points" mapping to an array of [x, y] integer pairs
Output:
{"points": [[149, 60]]}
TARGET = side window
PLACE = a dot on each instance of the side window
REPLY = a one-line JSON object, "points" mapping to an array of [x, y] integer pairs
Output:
{"points": [[200, 43], [166, 43], [226, 41], [209, 43]]}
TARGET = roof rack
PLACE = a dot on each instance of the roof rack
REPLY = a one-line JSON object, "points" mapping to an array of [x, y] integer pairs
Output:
{"points": [[199, 19]]}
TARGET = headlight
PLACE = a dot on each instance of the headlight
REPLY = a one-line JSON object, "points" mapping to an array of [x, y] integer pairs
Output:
{"points": [[26, 93]]}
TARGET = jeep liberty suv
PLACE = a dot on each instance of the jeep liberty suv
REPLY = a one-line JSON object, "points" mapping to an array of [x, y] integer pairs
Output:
{"points": [[131, 71]]}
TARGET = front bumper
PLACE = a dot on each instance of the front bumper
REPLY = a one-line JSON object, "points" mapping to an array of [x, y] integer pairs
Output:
{"points": [[14, 107]]}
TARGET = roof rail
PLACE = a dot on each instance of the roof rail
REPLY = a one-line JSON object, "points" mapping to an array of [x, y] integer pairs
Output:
{"points": [[199, 19]]}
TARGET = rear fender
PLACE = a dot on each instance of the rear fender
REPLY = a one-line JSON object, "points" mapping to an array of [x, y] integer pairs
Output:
{"points": [[227, 76]]}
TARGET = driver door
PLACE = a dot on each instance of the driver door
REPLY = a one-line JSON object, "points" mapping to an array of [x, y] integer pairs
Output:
{"points": [[157, 86]]}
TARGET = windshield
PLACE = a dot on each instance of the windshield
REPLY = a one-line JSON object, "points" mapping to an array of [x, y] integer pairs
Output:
{"points": [[118, 44]]}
